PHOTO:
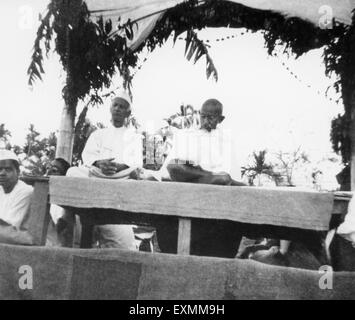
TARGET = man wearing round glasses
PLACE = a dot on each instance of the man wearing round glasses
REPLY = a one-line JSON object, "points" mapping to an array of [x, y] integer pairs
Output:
{"points": [[205, 156]]}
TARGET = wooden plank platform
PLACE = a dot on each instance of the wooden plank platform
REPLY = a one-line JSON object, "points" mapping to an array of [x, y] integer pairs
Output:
{"points": [[91, 217]]}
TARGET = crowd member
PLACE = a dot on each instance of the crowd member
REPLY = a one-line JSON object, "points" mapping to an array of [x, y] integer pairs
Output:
{"points": [[113, 153], [204, 155], [15, 197], [58, 167]]}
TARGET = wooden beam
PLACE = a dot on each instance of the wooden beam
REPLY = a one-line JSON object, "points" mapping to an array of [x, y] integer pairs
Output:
{"points": [[184, 236]]}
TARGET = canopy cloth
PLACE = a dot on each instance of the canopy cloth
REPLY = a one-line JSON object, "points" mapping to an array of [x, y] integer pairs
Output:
{"points": [[148, 12], [281, 207]]}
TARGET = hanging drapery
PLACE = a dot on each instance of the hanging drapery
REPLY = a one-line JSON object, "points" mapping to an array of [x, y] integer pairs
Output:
{"points": [[148, 12]]}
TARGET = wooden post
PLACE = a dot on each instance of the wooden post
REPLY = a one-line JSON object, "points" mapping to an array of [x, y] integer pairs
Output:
{"points": [[66, 135], [184, 236], [39, 214], [87, 233]]}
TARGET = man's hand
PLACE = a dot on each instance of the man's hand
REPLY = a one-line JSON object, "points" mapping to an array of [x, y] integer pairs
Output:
{"points": [[107, 166]]}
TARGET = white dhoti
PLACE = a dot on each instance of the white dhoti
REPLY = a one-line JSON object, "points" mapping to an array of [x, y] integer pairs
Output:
{"points": [[110, 235], [94, 172]]}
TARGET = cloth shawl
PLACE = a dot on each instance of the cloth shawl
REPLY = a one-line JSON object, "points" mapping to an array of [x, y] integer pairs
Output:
{"points": [[281, 207]]}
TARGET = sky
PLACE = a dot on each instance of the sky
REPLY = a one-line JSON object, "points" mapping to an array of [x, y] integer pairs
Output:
{"points": [[264, 105]]}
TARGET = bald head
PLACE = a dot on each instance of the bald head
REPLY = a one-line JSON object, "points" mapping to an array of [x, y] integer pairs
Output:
{"points": [[212, 106], [211, 114]]}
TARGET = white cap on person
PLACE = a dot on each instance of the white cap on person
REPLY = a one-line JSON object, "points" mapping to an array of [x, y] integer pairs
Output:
{"points": [[124, 95], [8, 155]]}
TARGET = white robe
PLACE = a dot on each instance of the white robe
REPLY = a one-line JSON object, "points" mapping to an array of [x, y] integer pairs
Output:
{"points": [[14, 206], [124, 145], [214, 151]]}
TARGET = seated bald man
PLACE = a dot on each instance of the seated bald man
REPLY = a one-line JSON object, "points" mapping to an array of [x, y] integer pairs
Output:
{"points": [[113, 153], [15, 197], [206, 156]]}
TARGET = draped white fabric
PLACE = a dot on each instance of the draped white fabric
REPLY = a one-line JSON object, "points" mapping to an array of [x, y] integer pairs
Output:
{"points": [[310, 10], [148, 12]]}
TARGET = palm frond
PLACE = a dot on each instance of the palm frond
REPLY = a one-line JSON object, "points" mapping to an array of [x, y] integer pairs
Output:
{"points": [[196, 48], [44, 33]]}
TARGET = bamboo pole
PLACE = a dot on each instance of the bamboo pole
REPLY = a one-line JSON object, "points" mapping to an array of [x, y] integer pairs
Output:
{"points": [[66, 135], [66, 132]]}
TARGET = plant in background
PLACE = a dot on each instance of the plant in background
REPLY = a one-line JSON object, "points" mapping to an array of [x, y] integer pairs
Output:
{"points": [[287, 162], [258, 168], [37, 152], [5, 136]]}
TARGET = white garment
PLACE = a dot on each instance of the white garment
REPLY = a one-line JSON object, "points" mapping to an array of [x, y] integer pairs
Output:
{"points": [[214, 151], [347, 228], [14, 206], [108, 236], [123, 144]]}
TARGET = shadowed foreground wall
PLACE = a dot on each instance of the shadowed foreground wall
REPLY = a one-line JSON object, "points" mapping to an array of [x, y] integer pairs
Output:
{"points": [[113, 274]]}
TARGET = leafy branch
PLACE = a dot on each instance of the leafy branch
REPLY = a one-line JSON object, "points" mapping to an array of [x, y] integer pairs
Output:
{"points": [[44, 33], [259, 166], [196, 48]]}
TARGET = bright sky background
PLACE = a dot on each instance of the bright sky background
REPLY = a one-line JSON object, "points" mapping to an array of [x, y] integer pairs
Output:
{"points": [[265, 106]]}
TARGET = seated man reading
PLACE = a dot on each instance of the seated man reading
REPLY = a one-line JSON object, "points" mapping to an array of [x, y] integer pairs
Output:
{"points": [[15, 197], [203, 156]]}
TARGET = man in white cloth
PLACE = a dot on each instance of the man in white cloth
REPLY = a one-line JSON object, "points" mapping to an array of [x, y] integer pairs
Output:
{"points": [[113, 153], [15, 198], [205, 155]]}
